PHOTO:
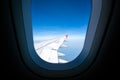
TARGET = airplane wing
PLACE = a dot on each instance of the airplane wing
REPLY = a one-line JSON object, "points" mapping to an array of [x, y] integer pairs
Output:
{"points": [[48, 50]]}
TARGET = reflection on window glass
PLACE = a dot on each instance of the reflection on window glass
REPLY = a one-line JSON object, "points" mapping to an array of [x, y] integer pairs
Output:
{"points": [[59, 28]]}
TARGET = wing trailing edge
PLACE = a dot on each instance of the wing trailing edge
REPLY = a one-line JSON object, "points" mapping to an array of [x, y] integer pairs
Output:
{"points": [[48, 50]]}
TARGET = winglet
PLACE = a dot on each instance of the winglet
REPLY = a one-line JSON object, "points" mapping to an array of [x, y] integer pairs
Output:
{"points": [[66, 35]]}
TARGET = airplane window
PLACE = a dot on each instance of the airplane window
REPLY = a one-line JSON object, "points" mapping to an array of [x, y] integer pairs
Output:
{"points": [[59, 28]]}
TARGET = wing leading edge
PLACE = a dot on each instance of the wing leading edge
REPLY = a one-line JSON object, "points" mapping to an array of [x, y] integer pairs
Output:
{"points": [[48, 50]]}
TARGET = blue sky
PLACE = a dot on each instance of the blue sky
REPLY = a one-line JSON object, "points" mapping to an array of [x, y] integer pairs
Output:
{"points": [[60, 17]]}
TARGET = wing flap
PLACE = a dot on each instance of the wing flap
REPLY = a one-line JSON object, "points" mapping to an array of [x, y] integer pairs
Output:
{"points": [[62, 61], [60, 54]]}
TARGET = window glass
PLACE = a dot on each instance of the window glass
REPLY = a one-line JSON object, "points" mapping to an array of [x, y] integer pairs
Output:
{"points": [[59, 28]]}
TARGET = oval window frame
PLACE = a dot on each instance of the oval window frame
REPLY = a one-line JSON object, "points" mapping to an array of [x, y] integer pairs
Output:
{"points": [[22, 24]]}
